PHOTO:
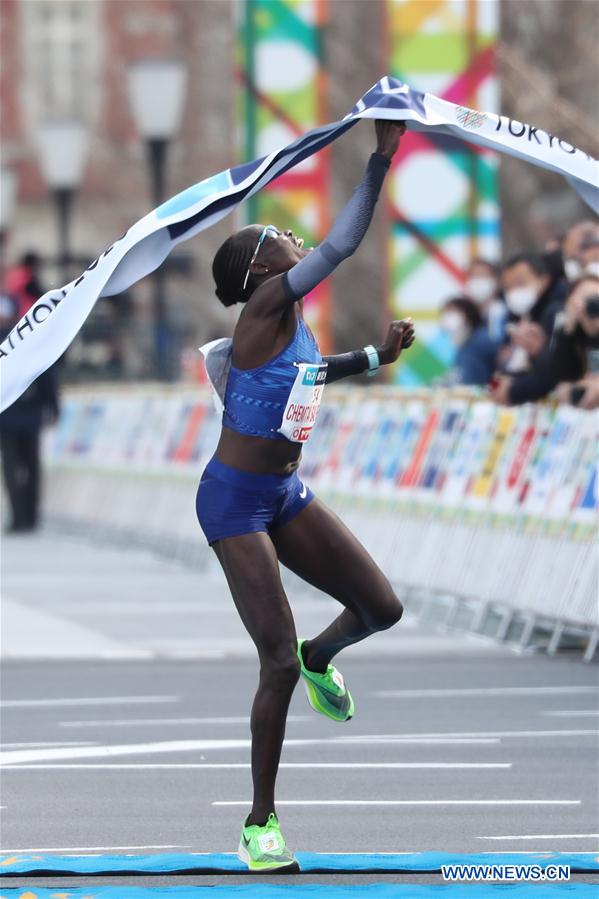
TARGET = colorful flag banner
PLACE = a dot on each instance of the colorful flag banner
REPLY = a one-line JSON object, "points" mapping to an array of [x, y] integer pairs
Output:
{"points": [[283, 95], [446, 47]]}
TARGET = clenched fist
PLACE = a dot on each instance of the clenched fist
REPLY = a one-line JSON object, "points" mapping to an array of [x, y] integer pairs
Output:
{"points": [[400, 336], [388, 135]]}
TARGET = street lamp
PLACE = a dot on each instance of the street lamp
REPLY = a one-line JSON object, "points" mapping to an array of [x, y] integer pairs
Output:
{"points": [[156, 94], [62, 147], [8, 195]]}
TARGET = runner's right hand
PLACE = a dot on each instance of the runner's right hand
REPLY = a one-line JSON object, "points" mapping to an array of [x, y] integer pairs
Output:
{"points": [[388, 135]]}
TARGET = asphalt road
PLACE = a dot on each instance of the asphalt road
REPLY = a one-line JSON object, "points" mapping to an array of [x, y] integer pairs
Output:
{"points": [[126, 689]]}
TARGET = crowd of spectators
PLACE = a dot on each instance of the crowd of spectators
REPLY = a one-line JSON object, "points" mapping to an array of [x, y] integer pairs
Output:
{"points": [[530, 328]]}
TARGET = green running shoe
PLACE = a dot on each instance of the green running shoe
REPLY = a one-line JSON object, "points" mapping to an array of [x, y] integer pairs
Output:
{"points": [[327, 692], [263, 848]]}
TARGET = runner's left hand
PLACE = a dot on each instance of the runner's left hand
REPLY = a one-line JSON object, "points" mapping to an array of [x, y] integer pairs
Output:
{"points": [[400, 336]]}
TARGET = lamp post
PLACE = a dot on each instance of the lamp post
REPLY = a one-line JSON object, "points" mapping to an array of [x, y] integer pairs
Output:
{"points": [[156, 94], [8, 195], [62, 148]]}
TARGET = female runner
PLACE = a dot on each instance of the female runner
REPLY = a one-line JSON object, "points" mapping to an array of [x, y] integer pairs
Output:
{"points": [[253, 508]]}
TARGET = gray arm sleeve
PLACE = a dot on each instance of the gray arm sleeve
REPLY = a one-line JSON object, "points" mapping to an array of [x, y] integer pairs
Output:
{"points": [[349, 228]]}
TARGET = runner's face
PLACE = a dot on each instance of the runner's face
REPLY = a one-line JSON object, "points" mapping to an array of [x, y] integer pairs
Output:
{"points": [[282, 252]]}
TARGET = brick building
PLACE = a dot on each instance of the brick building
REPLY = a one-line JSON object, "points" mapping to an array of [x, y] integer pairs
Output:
{"points": [[69, 58]]}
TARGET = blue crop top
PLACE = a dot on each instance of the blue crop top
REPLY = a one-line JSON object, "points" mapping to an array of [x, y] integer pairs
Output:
{"points": [[255, 398]]}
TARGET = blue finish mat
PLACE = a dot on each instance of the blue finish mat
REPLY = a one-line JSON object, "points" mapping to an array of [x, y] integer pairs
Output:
{"points": [[310, 862], [316, 891]]}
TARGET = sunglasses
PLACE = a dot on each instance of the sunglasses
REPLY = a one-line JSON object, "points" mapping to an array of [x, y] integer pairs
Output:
{"points": [[267, 231]]}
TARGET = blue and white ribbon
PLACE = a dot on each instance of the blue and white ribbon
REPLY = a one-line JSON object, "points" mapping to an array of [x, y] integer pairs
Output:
{"points": [[44, 333]]}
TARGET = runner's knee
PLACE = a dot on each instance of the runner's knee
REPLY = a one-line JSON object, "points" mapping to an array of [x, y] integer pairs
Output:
{"points": [[280, 665], [393, 613], [385, 612]]}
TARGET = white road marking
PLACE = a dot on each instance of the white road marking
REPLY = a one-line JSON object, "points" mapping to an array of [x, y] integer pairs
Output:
{"points": [[482, 691], [141, 722], [571, 713], [83, 752], [87, 849], [499, 734], [39, 745], [19, 756], [86, 700], [409, 802], [547, 836], [132, 766], [411, 739]]}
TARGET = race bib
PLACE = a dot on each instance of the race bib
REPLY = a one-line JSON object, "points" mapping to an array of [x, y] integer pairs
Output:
{"points": [[304, 402]]}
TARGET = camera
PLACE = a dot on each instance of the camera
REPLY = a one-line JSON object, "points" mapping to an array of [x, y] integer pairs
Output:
{"points": [[576, 394], [591, 306]]}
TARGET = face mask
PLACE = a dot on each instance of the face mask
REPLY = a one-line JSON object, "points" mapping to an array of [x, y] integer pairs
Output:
{"points": [[520, 300], [572, 268], [480, 289], [592, 268], [454, 326]]}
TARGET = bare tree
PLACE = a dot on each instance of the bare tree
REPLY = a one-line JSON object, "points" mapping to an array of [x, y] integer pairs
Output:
{"points": [[549, 71]]}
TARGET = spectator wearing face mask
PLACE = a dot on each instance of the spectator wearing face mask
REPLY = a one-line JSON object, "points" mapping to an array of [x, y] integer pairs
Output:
{"points": [[482, 287], [575, 346], [530, 291], [571, 358], [476, 352], [533, 299], [571, 247], [589, 255]]}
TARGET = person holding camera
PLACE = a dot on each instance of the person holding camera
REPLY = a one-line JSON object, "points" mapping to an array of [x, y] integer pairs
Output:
{"points": [[575, 346]]}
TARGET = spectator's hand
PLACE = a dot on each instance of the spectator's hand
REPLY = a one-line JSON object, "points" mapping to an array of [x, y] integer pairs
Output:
{"points": [[563, 392], [503, 356], [400, 336], [500, 390], [388, 135], [590, 399], [530, 337]]}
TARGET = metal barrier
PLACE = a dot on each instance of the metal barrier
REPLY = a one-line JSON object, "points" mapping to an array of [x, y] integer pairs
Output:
{"points": [[477, 507]]}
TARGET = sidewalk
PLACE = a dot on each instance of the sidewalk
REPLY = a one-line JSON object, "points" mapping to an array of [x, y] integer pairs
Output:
{"points": [[65, 597]]}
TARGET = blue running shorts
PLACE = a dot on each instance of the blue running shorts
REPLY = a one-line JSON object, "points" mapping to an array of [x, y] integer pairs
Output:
{"points": [[231, 502]]}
